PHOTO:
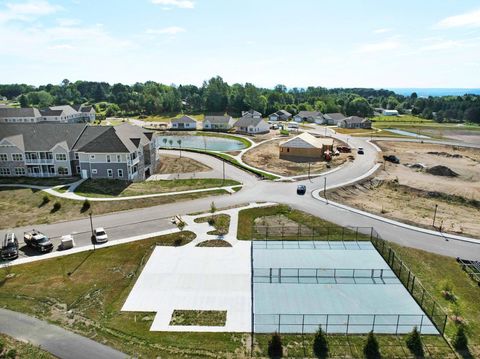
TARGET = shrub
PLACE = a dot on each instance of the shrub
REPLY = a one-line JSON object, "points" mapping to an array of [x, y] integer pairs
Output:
{"points": [[2, 345], [45, 200], [414, 343], [284, 132], [56, 207], [11, 354], [320, 344], [85, 206], [275, 349], [211, 221], [460, 341], [371, 348]]}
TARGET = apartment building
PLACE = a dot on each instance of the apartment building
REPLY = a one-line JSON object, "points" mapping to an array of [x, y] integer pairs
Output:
{"points": [[61, 149], [62, 114]]}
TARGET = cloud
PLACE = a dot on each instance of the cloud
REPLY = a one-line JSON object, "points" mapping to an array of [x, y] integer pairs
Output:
{"points": [[27, 11], [382, 31], [469, 19], [172, 30], [390, 44], [183, 4]]}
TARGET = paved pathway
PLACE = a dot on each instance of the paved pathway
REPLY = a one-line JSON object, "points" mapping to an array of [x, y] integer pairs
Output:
{"points": [[58, 341]]}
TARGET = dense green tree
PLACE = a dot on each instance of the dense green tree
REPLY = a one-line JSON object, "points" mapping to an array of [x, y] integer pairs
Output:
{"points": [[414, 343], [275, 347], [320, 344], [460, 341], [23, 100], [371, 349]]}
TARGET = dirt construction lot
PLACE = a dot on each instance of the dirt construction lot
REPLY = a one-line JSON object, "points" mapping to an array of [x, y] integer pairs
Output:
{"points": [[410, 194], [266, 157]]}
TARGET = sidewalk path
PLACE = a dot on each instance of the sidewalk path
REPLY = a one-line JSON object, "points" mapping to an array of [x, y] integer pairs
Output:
{"points": [[58, 341]]}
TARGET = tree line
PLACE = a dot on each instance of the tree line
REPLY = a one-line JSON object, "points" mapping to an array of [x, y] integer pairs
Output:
{"points": [[217, 96]]}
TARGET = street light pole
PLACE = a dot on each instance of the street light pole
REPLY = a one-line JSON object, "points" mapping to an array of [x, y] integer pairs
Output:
{"points": [[223, 165], [92, 238], [434, 215], [325, 187]]}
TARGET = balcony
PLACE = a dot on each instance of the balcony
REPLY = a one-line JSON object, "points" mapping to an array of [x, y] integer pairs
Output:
{"points": [[41, 161], [42, 174]]}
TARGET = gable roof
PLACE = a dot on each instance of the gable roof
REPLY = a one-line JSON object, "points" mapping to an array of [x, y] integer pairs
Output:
{"points": [[309, 114], [6, 112], [355, 119], [42, 136], [282, 113], [337, 116], [183, 119], [306, 140], [48, 112], [251, 113], [67, 110], [222, 119], [246, 121]]}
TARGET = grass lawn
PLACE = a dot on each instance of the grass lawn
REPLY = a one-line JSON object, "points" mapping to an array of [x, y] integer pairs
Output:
{"points": [[351, 346], [23, 350], [89, 301], [214, 243], [434, 271], [21, 207], [54, 181], [119, 188], [349, 131], [220, 222], [215, 318], [252, 222], [401, 118]]}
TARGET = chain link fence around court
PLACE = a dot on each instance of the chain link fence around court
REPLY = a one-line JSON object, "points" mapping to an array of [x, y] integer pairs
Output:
{"points": [[320, 233], [343, 323], [424, 299]]}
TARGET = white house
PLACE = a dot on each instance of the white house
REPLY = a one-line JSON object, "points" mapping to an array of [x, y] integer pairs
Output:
{"points": [[280, 115], [252, 125], [309, 116], [218, 123], [60, 114], [251, 113], [183, 123], [390, 113]]}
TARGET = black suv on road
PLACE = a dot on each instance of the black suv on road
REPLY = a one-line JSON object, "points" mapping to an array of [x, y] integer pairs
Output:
{"points": [[9, 247]]}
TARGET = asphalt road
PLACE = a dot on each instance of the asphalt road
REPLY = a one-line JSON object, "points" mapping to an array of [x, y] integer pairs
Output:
{"points": [[56, 340], [152, 219]]}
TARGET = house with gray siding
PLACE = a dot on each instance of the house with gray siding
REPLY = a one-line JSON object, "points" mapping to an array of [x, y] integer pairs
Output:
{"points": [[61, 149], [218, 123], [61, 114]]}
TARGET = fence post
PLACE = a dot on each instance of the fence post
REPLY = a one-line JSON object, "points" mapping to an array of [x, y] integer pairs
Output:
{"points": [[279, 326], [373, 325], [326, 325], [343, 233], [270, 275], [356, 234], [413, 285], [433, 309], [408, 280], [298, 232], [421, 324], [444, 324], [398, 322], [371, 233], [348, 322], [279, 275], [283, 229], [266, 233], [400, 271]]}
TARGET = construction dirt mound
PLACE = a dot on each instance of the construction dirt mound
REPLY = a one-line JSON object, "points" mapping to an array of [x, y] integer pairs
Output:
{"points": [[441, 171]]}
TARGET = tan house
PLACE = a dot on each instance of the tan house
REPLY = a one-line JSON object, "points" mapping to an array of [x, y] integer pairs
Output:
{"points": [[305, 148]]}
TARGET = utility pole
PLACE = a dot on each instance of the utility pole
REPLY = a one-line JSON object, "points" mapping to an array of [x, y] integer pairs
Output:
{"points": [[325, 188], [92, 238], [435, 215]]}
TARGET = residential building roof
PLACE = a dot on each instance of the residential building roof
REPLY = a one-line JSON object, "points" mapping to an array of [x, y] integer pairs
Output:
{"points": [[337, 116], [247, 121], [48, 112], [183, 119], [6, 112], [355, 119], [41, 136], [306, 140], [251, 113], [222, 119], [282, 113], [309, 114], [67, 110]]}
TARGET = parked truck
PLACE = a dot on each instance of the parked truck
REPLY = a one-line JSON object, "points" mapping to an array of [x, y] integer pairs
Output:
{"points": [[37, 240]]}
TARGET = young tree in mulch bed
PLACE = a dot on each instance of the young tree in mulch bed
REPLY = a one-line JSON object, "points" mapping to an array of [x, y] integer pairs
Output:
{"points": [[320, 344], [275, 348], [371, 349]]}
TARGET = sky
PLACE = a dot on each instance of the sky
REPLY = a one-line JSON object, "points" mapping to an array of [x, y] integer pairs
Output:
{"points": [[297, 43]]}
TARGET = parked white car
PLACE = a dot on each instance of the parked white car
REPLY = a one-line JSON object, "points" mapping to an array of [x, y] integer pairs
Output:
{"points": [[100, 235]]}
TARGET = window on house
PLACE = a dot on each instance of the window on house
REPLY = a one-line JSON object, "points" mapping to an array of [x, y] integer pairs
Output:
{"points": [[119, 158], [62, 171], [5, 171], [120, 173], [94, 171], [17, 157], [109, 173], [19, 171], [61, 157], [109, 159], [77, 157], [78, 169], [92, 157], [3, 157]]}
